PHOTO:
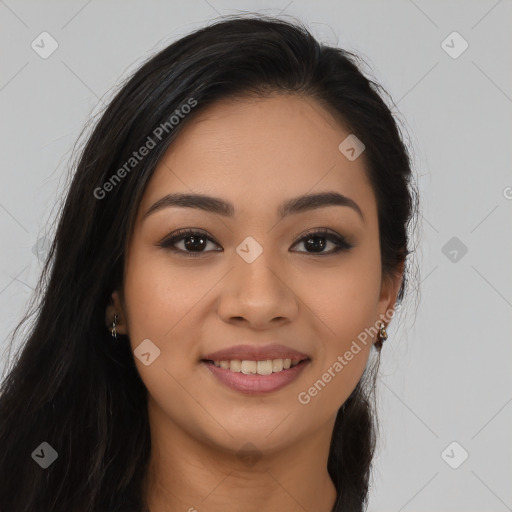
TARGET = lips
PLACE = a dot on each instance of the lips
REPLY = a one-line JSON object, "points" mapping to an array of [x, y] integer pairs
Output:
{"points": [[255, 384], [255, 353]]}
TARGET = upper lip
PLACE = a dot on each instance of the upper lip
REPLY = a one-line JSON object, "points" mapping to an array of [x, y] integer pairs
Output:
{"points": [[255, 353]]}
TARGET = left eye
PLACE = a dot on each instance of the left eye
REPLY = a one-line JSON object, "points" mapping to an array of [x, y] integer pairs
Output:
{"points": [[311, 240], [195, 241]]}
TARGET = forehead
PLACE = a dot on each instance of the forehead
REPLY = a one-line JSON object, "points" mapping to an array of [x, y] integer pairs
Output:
{"points": [[255, 151]]}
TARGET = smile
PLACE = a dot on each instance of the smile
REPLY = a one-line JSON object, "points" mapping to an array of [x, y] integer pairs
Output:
{"points": [[256, 377]]}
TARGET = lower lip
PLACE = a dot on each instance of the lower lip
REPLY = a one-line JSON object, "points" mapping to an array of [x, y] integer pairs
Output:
{"points": [[254, 384]]}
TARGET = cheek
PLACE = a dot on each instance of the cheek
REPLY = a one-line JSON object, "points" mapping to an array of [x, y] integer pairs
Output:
{"points": [[345, 302], [160, 300], [346, 297], [158, 295]]}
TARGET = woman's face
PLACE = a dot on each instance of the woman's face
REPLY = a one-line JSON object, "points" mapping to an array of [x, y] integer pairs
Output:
{"points": [[253, 277]]}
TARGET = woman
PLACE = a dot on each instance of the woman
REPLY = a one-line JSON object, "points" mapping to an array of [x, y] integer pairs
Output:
{"points": [[233, 244]]}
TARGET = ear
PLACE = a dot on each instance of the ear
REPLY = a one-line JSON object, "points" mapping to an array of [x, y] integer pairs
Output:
{"points": [[115, 307], [388, 293]]}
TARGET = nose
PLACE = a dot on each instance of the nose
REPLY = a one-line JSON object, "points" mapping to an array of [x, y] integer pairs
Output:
{"points": [[259, 293]]}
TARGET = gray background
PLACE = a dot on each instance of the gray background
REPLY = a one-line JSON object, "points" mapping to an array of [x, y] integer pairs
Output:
{"points": [[446, 369]]}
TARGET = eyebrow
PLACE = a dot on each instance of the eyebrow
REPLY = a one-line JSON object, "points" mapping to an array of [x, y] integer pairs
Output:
{"points": [[221, 207]]}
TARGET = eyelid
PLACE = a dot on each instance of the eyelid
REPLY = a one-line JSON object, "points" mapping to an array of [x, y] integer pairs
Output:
{"points": [[180, 234], [313, 231]]}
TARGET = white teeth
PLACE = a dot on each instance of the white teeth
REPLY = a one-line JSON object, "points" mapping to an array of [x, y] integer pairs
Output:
{"points": [[277, 365], [265, 367], [248, 367], [235, 366]]}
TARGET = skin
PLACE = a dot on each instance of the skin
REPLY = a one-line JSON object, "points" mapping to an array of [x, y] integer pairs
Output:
{"points": [[255, 153]]}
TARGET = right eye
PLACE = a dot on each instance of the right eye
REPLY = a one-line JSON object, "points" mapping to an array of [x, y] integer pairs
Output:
{"points": [[194, 241]]}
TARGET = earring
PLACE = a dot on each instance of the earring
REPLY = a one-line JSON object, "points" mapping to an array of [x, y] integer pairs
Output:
{"points": [[383, 333], [382, 336], [114, 332]]}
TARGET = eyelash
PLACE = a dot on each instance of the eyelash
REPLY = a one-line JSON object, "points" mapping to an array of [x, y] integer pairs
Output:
{"points": [[339, 241]]}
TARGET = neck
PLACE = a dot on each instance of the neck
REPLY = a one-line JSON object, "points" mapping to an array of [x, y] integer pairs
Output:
{"points": [[186, 474]]}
